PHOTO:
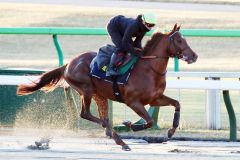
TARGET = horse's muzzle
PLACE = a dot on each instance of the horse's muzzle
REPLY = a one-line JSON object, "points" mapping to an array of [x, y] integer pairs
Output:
{"points": [[190, 60]]}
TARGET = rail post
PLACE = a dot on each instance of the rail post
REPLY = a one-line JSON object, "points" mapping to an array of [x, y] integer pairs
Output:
{"points": [[59, 50], [231, 115], [213, 107]]}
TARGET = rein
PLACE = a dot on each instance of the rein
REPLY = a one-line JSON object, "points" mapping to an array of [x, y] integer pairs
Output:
{"points": [[154, 57]]}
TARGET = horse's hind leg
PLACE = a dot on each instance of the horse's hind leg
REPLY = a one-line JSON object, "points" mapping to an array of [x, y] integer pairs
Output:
{"points": [[102, 104], [103, 113], [85, 112], [85, 92]]}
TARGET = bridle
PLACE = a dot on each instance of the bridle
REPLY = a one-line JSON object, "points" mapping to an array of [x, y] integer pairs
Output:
{"points": [[178, 52]]}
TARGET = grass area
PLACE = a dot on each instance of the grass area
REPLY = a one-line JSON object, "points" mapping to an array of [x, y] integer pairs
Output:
{"points": [[215, 54], [39, 52]]}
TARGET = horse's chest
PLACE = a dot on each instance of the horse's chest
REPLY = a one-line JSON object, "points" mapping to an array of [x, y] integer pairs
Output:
{"points": [[146, 89], [157, 90]]}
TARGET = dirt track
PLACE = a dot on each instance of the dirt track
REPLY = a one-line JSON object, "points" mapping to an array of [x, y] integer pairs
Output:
{"points": [[15, 147]]}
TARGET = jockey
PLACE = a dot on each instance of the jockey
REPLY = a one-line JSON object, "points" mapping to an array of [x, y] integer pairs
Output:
{"points": [[122, 30]]}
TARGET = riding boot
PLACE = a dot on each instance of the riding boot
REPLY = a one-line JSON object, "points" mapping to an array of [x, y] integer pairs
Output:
{"points": [[115, 62]]}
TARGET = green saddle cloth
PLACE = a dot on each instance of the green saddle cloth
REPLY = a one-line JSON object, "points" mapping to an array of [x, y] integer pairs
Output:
{"points": [[123, 69]]}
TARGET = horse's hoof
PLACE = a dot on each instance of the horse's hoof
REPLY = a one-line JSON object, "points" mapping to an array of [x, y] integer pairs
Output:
{"points": [[126, 148], [170, 133], [127, 123]]}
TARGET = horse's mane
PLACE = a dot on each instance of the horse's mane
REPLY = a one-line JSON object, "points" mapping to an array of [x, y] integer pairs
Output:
{"points": [[156, 38], [151, 43]]}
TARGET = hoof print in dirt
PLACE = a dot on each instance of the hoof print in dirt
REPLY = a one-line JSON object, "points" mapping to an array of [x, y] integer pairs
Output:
{"points": [[180, 151], [235, 152]]}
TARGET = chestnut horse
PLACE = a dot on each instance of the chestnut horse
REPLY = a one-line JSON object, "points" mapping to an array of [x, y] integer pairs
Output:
{"points": [[145, 86]]}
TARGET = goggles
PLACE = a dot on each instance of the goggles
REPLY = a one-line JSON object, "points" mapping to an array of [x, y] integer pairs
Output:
{"points": [[149, 25]]}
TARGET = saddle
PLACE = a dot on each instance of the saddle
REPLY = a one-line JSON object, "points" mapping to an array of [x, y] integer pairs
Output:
{"points": [[104, 56], [100, 64]]}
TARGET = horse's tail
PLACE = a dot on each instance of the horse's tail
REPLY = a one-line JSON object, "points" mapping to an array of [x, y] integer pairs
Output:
{"points": [[47, 82]]}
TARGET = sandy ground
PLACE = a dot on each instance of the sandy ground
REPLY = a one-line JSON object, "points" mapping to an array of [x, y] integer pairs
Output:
{"points": [[15, 147]]}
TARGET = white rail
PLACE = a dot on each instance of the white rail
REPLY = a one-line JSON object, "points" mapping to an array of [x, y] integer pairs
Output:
{"points": [[213, 82], [203, 84], [204, 74], [16, 80]]}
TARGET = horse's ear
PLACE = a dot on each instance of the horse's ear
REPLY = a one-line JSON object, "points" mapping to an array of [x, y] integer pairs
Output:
{"points": [[178, 28], [175, 27]]}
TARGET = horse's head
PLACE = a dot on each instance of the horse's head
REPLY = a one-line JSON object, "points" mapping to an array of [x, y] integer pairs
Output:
{"points": [[178, 46]]}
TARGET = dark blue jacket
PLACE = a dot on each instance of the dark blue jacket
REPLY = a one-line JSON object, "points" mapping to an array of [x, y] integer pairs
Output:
{"points": [[128, 28]]}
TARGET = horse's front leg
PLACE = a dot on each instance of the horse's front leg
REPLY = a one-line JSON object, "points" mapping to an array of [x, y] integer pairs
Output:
{"points": [[142, 112], [167, 101]]}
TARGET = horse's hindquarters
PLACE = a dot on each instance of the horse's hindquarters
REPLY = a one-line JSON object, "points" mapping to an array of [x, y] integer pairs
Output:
{"points": [[103, 88]]}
